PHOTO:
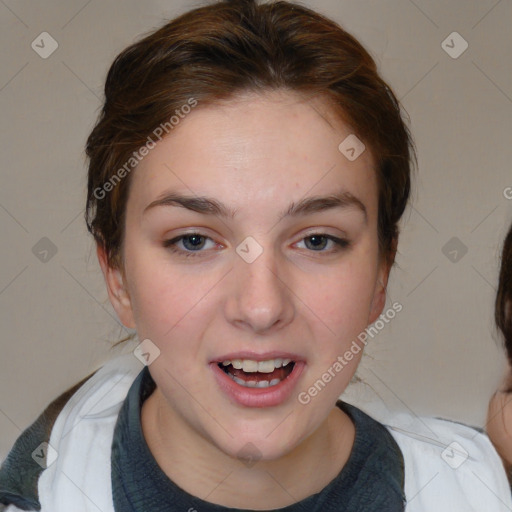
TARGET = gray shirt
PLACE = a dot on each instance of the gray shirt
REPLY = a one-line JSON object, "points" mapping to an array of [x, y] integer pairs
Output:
{"points": [[372, 479]]}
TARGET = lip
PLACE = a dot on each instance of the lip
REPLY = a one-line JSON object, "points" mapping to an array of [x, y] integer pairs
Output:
{"points": [[258, 397], [259, 357]]}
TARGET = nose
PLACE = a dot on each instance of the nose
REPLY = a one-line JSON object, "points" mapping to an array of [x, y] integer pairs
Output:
{"points": [[259, 298]]}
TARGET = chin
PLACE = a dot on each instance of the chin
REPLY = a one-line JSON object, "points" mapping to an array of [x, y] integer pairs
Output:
{"points": [[252, 451], [265, 444]]}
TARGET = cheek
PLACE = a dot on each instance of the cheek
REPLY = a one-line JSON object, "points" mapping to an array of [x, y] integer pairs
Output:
{"points": [[166, 299], [342, 299]]}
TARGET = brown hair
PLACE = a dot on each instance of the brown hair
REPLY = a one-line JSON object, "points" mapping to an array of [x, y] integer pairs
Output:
{"points": [[212, 53], [503, 305]]}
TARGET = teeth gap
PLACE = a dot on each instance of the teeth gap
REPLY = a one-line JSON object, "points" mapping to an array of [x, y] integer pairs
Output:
{"points": [[289, 366], [224, 368]]}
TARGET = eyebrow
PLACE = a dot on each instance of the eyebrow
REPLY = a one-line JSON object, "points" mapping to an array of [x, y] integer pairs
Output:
{"points": [[209, 206], [342, 199]]}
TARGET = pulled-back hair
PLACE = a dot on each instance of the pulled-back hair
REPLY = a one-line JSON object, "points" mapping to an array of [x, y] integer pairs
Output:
{"points": [[503, 305], [215, 52]]}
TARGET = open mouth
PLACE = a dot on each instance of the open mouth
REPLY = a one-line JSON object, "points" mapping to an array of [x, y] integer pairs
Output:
{"points": [[257, 374]]}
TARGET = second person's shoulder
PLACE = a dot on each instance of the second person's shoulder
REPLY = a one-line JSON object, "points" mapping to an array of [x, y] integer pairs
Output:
{"points": [[449, 466]]}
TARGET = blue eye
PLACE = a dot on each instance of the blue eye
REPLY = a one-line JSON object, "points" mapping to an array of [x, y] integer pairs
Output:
{"points": [[193, 242], [319, 241], [190, 244]]}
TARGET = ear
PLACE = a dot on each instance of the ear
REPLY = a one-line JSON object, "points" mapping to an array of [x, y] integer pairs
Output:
{"points": [[379, 296], [116, 288]]}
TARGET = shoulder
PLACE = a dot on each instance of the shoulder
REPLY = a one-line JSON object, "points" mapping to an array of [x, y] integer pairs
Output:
{"points": [[376, 464], [449, 466], [37, 449], [20, 471]]}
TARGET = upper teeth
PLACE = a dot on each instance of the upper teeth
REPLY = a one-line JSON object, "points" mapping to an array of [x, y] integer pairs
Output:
{"points": [[248, 365]]}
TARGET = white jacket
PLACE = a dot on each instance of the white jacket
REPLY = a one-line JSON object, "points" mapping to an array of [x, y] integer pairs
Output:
{"points": [[448, 467]]}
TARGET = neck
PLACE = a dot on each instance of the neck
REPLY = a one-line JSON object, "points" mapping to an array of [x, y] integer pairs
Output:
{"points": [[201, 469]]}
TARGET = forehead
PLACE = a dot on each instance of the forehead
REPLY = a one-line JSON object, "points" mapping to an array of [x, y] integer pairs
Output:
{"points": [[257, 149]]}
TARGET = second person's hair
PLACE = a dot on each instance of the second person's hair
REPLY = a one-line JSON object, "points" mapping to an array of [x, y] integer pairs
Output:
{"points": [[503, 306]]}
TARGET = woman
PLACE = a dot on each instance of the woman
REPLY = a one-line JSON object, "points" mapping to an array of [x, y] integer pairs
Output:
{"points": [[499, 421], [246, 179]]}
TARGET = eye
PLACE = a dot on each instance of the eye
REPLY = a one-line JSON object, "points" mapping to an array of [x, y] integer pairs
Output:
{"points": [[318, 242], [189, 244]]}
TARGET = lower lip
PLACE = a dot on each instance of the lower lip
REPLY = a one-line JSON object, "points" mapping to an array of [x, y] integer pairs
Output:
{"points": [[258, 397]]}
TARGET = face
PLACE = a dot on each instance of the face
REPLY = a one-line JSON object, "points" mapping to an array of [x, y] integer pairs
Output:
{"points": [[251, 240]]}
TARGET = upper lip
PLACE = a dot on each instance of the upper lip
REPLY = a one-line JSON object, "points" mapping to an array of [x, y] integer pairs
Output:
{"points": [[253, 356]]}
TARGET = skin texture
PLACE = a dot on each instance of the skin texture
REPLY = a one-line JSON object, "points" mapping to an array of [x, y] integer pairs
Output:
{"points": [[256, 154], [499, 421]]}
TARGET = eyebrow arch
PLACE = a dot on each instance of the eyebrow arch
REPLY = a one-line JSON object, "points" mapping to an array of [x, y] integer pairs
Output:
{"points": [[208, 206], [198, 204], [342, 199]]}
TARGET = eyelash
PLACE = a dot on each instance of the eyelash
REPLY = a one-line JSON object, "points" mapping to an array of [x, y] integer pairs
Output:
{"points": [[341, 244]]}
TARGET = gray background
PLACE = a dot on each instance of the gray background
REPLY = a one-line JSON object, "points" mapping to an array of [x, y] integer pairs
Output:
{"points": [[439, 356]]}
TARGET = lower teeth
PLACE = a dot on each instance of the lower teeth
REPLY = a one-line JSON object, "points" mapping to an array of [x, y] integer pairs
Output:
{"points": [[254, 383]]}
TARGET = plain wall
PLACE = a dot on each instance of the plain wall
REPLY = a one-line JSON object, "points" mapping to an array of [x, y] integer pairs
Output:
{"points": [[439, 356]]}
